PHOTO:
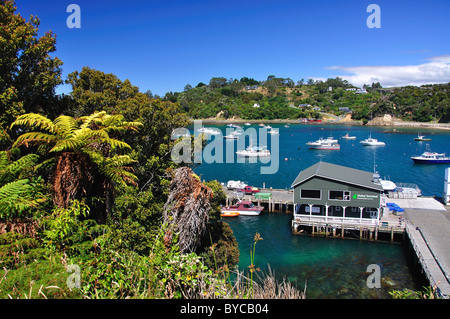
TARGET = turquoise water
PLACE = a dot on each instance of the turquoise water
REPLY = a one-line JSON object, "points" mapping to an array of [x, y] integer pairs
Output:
{"points": [[332, 268]]}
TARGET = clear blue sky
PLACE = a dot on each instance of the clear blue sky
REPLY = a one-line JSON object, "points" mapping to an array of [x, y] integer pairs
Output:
{"points": [[161, 45]]}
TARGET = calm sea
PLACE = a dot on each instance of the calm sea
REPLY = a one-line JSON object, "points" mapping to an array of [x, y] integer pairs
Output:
{"points": [[332, 268]]}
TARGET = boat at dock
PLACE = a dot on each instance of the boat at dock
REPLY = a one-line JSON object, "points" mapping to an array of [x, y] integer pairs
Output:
{"points": [[243, 208], [229, 214]]}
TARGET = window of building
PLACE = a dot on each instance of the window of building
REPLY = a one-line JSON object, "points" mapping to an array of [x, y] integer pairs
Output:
{"points": [[339, 195], [310, 194]]}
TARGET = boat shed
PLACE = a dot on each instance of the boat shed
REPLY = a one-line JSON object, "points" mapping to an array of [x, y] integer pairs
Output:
{"points": [[329, 193]]}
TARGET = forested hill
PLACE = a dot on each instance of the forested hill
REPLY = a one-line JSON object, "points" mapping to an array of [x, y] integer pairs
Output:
{"points": [[282, 98]]}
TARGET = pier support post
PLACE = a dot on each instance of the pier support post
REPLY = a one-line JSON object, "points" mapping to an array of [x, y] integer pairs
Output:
{"points": [[360, 232], [342, 231], [312, 229], [376, 233], [392, 234]]}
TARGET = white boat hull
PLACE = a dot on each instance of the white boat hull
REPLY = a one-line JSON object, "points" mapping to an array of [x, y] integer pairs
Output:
{"points": [[246, 212]]}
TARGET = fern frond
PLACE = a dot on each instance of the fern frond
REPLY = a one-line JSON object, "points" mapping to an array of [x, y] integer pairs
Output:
{"points": [[27, 161], [66, 125], [14, 189], [4, 160], [34, 137], [93, 118], [36, 121], [70, 144], [117, 144]]}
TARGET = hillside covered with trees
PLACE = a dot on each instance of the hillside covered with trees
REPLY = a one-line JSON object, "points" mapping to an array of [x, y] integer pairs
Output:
{"points": [[90, 203], [282, 98]]}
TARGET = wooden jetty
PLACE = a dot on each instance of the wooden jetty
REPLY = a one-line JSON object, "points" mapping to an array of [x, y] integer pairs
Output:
{"points": [[425, 224], [280, 200]]}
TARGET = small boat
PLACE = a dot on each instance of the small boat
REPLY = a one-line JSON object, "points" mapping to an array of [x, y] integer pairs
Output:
{"points": [[254, 151], [272, 131], [229, 214], [326, 146], [247, 124], [232, 136], [431, 158], [208, 130], [243, 208], [321, 140], [372, 142], [348, 137], [422, 138]]}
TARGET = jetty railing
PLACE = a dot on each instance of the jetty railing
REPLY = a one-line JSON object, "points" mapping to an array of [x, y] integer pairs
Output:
{"points": [[423, 262]]}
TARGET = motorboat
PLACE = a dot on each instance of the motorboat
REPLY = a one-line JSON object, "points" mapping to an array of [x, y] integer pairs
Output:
{"points": [[232, 136], [243, 208], [207, 130], [431, 158], [372, 142], [272, 131], [348, 137], [321, 141], [254, 151], [325, 146], [421, 138]]}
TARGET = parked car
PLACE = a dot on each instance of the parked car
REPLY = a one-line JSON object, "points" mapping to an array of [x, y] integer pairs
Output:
{"points": [[249, 190]]}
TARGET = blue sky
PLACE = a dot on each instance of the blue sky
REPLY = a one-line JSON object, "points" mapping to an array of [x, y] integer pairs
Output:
{"points": [[162, 45]]}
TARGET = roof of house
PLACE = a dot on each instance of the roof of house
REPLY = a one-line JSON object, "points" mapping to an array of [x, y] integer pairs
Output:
{"points": [[340, 174]]}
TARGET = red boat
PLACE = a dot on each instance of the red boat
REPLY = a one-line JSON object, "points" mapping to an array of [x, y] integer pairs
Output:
{"points": [[243, 208]]}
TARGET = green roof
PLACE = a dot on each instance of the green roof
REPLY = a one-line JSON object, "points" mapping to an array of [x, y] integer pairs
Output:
{"points": [[263, 195], [338, 173]]}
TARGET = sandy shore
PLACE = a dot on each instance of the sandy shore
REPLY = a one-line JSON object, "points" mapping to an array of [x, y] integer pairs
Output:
{"points": [[393, 124]]}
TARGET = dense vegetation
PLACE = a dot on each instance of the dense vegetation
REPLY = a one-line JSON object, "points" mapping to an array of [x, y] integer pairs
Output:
{"points": [[85, 181], [281, 98]]}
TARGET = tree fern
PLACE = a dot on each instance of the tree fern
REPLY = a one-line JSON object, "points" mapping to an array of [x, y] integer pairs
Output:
{"points": [[83, 151]]}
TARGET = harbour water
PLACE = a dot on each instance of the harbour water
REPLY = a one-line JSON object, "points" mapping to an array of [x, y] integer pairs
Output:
{"points": [[333, 268]]}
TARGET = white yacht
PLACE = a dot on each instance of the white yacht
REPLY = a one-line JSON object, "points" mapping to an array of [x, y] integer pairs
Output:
{"points": [[254, 151], [372, 142]]}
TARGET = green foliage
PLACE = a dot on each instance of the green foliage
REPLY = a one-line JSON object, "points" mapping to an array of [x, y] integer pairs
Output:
{"points": [[28, 74], [427, 293], [20, 191], [64, 222]]}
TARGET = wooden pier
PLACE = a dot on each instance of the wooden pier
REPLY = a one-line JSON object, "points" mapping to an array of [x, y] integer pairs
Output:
{"points": [[281, 200], [425, 224]]}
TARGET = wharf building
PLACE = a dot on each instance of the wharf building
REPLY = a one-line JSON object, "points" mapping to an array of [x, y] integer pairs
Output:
{"points": [[330, 199]]}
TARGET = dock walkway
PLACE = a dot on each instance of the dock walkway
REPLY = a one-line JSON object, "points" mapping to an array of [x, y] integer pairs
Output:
{"points": [[429, 233]]}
